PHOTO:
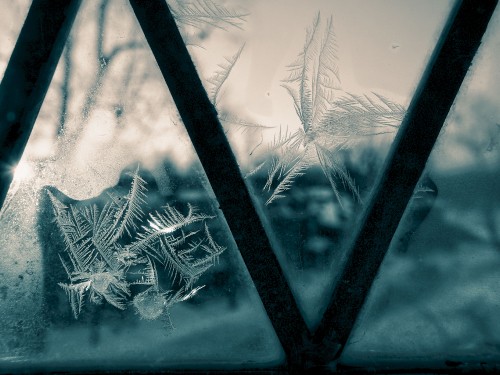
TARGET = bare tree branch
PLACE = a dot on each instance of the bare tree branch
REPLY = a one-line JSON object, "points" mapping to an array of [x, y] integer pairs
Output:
{"points": [[104, 60], [121, 48], [65, 87]]}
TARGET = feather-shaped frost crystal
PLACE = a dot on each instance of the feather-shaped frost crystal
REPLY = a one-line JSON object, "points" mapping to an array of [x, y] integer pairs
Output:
{"points": [[107, 250], [206, 12], [331, 119]]}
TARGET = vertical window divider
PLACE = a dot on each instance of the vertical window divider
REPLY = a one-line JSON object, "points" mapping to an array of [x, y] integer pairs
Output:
{"points": [[434, 97], [207, 135]]}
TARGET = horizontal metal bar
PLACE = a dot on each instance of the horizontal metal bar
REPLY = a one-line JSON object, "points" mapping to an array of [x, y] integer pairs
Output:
{"points": [[27, 78], [201, 121], [426, 115]]}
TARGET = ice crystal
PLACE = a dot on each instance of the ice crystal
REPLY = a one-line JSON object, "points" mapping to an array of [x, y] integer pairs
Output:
{"points": [[202, 13], [216, 83], [205, 12], [331, 119], [108, 251]]}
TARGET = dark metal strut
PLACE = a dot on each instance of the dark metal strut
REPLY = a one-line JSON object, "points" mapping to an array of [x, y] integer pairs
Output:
{"points": [[28, 76], [31, 69], [426, 115], [206, 133]]}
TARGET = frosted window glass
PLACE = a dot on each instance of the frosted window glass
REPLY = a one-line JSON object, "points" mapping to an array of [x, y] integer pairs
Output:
{"points": [[311, 161], [115, 254], [436, 297]]}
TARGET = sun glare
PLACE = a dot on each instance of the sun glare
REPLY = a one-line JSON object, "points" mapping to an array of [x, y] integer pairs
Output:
{"points": [[23, 171]]}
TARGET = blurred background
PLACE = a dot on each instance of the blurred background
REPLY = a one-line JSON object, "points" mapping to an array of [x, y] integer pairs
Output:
{"points": [[108, 109]]}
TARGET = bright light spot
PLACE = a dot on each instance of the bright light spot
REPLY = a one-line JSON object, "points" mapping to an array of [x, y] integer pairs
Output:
{"points": [[23, 171], [192, 293]]}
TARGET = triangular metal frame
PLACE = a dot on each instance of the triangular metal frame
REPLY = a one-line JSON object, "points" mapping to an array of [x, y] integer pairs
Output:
{"points": [[30, 71]]}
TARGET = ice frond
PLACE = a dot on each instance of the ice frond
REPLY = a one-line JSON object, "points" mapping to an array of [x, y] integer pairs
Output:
{"points": [[127, 258], [101, 266], [369, 111], [326, 77], [205, 12], [101, 223], [217, 81], [184, 296], [255, 170], [335, 171], [76, 294], [422, 189], [171, 220], [298, 69], [301, 70], [65, 266], [293, 92], [316, 73], [131, 210], [91, 215], [181, 265], [75, 232], [147, 275], [355, 117], [181, 295], [220, 76], [161, 240], [291, 141], [243, 124], [213, 249], [289, 153], [280, 166], [57, 205], [331, 119], [296, 170]]}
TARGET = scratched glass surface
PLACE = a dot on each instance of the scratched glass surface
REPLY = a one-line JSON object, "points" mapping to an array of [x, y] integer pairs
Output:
{"points": [[436, 297], [311, 95], [115, 255]]}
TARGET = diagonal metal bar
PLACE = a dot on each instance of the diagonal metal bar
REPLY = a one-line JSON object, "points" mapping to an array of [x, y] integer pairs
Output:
{"points": [[442, 79], [201, 121], [27, 78]]}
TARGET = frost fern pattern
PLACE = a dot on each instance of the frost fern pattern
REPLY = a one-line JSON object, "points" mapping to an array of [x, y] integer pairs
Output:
{"points": [[108, 251], [200, 13], [331, 119]]}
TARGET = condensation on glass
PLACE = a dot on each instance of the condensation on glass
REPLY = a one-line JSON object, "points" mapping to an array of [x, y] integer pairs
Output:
{"points": [[110, 172], [436, 297], [311, 96]]}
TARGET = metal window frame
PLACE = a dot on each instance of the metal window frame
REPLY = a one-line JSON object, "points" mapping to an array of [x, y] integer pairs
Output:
{"points": [[30, 71]]}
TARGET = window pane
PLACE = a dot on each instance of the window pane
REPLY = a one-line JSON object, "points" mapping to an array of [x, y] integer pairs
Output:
{"points": [[115, 253], [436, 295], [11, 20], [311, 95]]}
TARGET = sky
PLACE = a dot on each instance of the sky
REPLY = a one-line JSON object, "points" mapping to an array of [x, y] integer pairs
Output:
{"points": [[383, 47]]}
